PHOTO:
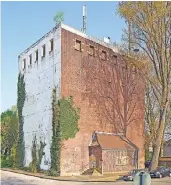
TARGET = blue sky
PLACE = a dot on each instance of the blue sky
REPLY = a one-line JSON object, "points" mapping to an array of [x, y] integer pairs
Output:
{"points": [[25, 22]]}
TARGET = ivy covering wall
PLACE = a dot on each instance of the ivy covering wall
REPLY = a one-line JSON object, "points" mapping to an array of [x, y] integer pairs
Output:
{"points": [[33, 166], [68, 118], [41, 153], [20, 147], [56, 138], [37, 154], [65, 125]]}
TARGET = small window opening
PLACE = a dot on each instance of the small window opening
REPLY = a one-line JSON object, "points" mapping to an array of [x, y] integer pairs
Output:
{"points": [[30, 59], [92, 50], [36, 55], [51, 45], [44, 50], [104, 55], [78, 45], [24, 65], [115, 59]]}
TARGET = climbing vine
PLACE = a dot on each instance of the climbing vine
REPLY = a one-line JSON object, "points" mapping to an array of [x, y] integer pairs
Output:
{"points": [[34, 166], [40, 153], [68, 118], [65, 125], [56, 139], [20, 148]]}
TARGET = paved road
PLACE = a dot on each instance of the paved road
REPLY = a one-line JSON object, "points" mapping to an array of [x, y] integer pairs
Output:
{"points": [[163, 181], [9, 178]]}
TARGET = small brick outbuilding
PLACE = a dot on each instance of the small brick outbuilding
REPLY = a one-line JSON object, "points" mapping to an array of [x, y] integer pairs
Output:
{"points": [[109, 152]]}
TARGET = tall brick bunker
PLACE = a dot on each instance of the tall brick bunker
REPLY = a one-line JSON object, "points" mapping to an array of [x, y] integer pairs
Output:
{"points": [[107, 88]]}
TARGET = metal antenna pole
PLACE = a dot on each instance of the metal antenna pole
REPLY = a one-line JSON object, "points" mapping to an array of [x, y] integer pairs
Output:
{"points": [[84, 19]]}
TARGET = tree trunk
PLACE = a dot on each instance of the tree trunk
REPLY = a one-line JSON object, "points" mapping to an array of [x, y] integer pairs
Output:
{"points": [[161, 150], [157, 143]]}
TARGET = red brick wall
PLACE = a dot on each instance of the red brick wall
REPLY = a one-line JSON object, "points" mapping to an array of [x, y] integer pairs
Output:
{"points": [[84, 77], [110, 162]]}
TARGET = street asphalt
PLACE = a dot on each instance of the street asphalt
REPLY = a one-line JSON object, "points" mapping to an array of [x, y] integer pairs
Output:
{"points": [[10, 178]]}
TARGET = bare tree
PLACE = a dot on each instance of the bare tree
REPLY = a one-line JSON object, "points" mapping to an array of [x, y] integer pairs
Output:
{"points": [[116, 87]]}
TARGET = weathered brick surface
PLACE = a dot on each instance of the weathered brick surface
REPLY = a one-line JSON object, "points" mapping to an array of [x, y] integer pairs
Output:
{"points": [[110, 161], [84, 77]]}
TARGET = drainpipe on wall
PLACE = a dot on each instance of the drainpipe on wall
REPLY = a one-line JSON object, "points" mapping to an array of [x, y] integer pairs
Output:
{"points": [[137, 159], [102, 166]]}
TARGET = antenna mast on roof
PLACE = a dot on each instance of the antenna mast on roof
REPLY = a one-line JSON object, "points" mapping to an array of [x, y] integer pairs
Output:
{"points": [[84, 18]]}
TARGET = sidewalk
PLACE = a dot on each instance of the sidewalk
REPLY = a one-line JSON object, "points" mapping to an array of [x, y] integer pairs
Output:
{"points": [[81, 178]]}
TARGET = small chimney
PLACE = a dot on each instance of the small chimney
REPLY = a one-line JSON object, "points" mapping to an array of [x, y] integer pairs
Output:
{"points": [[107, 40]]}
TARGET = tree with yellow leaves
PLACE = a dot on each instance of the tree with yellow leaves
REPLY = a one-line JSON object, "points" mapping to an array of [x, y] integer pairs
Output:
{"points": [[151, 33]]}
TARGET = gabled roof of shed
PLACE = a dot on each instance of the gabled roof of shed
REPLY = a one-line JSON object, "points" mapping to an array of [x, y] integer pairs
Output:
{"points": [[111, 141]]}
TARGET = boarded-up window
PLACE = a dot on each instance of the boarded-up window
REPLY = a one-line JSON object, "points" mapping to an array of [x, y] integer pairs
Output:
{"points": [[30, 59], [78, 45], [51, 45], [44, 50], [92, 50], [122, 158], [104, 55], [37, 55]]}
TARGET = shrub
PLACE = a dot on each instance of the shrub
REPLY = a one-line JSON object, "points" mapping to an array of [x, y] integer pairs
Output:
{"points": [[6, 161]]}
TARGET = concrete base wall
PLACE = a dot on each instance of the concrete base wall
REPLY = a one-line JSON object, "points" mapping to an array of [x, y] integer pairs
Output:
{"points": [[40, 80]]}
